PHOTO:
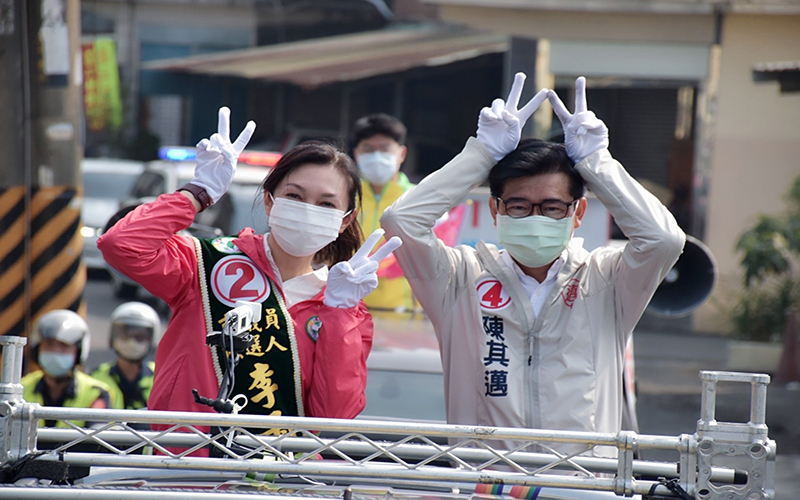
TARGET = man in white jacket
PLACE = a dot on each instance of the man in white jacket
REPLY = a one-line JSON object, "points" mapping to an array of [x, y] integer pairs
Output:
{"points": [[534, 336]]}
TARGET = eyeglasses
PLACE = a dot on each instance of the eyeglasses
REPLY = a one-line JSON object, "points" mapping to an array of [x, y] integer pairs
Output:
{"points": [[517, 208]]}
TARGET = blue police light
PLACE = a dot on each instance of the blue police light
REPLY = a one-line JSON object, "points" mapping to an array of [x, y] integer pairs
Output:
{"points": [[174, 153]]}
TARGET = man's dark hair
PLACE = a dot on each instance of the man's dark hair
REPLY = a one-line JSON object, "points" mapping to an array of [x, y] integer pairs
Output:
{"points": [[379, 124], [535, 157]]}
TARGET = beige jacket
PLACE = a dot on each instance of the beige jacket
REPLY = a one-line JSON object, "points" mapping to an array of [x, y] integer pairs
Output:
{"points": [[503, 365]]}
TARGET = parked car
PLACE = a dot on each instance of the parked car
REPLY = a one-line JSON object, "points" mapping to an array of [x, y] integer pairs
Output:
{"points": [[405, 377], [106, 182], [240, 207]]}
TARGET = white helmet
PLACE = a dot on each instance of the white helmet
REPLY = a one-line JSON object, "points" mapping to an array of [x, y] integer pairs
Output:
{"points": [[65, 326], [134, 319]]}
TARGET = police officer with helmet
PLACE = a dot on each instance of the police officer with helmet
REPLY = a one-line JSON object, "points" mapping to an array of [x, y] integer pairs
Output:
{"points": [[60, 342], [134, 326]]}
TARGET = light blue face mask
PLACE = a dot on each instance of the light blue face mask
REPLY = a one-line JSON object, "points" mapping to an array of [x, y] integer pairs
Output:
{"points": [[56, 364], [534, 241], [377, 167]]}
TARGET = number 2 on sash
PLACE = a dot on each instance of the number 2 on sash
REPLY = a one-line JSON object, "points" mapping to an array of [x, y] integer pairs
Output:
{"points": [[237, 289]]}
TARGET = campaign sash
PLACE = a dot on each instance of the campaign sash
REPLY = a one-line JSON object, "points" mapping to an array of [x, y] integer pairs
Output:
{"points": [[268, 373]]}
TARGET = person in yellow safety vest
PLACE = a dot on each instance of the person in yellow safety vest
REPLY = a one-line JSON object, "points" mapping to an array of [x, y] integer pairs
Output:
{"points": [[134, 327], [59, 342], [379, 150]]}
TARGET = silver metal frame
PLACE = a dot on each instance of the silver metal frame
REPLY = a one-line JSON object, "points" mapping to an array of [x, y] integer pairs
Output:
{"points": [[408, 458]]}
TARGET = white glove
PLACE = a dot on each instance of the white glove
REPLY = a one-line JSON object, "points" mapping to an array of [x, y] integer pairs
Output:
{"points": [[584, 133], [352, 280], [216, 157], [500, 127]]}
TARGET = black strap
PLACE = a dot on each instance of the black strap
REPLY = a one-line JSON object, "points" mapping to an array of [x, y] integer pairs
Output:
{"points": [[672, 485]]}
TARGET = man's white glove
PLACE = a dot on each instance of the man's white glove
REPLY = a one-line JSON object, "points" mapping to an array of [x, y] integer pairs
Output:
{"points": [[500, 127], [217, 157], [584, 133], [352, 280]]}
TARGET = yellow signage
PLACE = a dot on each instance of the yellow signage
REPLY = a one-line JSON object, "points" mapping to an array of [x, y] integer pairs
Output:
{"points": [[101, 96]]}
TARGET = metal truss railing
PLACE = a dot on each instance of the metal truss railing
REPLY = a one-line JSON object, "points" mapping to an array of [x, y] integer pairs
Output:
{"points": [[393, 453]]}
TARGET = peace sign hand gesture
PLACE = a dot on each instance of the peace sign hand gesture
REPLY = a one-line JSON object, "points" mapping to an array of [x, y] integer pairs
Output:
{"points": [[217, 156], [500, 127], [352, 280], [584, 133]]}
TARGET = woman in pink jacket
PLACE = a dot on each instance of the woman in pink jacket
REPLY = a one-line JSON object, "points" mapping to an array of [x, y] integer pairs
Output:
{"points": [[311, 344]]}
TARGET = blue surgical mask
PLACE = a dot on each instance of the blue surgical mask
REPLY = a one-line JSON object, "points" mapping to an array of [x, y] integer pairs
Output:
{"points": [[534, 241], [56, 364]]}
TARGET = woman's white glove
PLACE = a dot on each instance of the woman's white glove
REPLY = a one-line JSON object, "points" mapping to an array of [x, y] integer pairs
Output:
{"points": [[584, 133], [500, 127], [352, 280], [217, 157]]}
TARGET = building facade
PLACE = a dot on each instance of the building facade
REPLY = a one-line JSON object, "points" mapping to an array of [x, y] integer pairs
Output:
{"points": [[681, 97]]}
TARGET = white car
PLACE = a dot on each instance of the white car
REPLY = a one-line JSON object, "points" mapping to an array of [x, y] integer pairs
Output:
{"points": [[405, 380], [106, 182]]}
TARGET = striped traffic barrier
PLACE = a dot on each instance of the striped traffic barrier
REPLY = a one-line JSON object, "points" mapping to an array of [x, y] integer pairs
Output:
{"points": [[52, 262]]}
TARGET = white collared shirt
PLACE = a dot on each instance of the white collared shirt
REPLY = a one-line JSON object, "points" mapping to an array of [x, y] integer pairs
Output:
{"points": [[536, 291], [301, 287]]}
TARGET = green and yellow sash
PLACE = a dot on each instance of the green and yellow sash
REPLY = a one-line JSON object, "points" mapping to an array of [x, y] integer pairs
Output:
{"points": [[268, 374]]}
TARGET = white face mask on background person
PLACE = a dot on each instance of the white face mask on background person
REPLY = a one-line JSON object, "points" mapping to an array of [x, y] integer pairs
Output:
{"points": [[130, 348], [302, 229], [56, 364], [377, 167], [534, 241]]}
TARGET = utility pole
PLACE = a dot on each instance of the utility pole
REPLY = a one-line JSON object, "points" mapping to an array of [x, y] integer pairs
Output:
{"points": [[40, 151]]}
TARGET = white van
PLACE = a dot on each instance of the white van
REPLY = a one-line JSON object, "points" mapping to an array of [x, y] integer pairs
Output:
{"points": [[106, 182]]}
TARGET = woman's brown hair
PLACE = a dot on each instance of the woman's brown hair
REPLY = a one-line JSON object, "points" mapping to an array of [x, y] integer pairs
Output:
{"points": [[320, 153]]}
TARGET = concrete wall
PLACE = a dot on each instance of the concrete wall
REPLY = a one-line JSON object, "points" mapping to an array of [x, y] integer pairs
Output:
{"points": [[756, 146], [212, 25], [584, 25]]}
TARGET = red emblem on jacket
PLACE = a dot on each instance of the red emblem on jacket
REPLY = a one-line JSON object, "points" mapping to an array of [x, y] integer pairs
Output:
{"points": [[570, 292], [492, 295]]}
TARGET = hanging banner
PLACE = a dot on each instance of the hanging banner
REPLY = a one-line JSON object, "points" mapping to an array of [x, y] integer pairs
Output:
{"points": [[101, 93]]}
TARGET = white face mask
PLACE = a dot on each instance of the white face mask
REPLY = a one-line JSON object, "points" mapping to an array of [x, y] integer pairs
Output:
{"points": [[56, 364], [130, 348], [377, 167], [534, 241], [302, 229]]}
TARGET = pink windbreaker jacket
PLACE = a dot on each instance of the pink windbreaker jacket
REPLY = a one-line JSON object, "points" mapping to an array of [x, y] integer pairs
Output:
{"points": [[144, 247]]}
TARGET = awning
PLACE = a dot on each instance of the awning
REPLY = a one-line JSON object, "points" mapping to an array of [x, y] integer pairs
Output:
{"points": [[786, 73], [321, 61], [648, 6]]}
